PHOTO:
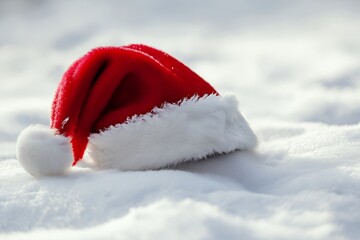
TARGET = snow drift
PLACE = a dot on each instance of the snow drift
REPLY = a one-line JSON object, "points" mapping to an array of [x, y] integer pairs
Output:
{"points": [[295, 70]]}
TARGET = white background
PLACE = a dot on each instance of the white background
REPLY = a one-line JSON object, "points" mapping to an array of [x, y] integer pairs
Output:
{"points": [[295, 67]]}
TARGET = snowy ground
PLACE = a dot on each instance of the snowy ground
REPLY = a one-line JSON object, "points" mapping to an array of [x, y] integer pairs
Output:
{"points": [[294, 65]]}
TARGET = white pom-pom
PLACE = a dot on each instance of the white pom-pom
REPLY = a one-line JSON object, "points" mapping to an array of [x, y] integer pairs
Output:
{"points": [[42, 152]]}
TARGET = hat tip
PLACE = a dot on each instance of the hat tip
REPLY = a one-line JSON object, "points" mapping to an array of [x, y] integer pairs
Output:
{"points": [[43, 152]]}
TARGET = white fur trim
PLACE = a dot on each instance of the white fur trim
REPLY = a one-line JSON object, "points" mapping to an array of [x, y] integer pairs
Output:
{"points": [[193, 129], [42, 152]]}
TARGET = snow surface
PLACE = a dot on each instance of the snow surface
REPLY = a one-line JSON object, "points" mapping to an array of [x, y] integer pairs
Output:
{"points": [[295, 67]]}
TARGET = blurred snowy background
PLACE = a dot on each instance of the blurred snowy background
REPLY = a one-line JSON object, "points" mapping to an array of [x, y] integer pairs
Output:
{"points": [[295, 67]]}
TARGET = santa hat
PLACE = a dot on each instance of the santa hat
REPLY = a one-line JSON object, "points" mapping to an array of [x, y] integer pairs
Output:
{"points": [[132, 108]]}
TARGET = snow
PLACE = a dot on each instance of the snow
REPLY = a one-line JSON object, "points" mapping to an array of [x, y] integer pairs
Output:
{"points": [[294, 67]]}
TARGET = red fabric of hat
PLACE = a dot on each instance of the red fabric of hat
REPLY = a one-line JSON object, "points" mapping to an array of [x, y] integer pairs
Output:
{"points": [[109, 85]]}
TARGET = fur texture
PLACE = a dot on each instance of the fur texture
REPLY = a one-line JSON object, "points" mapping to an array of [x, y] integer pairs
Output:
{"points": [[191, 130], [42, 152]]}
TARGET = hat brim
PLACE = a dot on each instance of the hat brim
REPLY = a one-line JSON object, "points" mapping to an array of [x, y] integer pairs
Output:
{"points": [[190, 130]]}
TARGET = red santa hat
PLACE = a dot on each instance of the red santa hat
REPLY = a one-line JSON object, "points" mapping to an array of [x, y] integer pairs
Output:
{"points": [[132, 108]]}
